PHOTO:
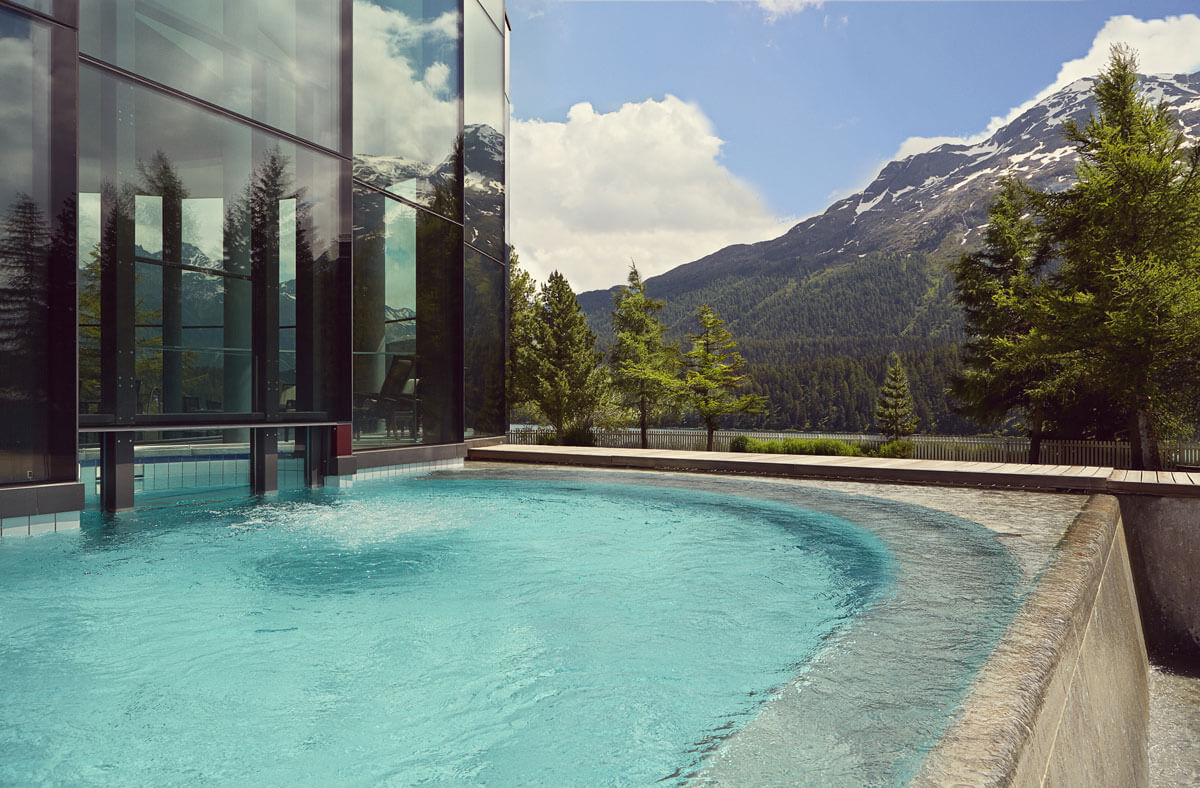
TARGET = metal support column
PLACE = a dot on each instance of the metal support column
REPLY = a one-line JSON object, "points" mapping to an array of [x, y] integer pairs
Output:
{"points": [[264, 460], [116, 471]]}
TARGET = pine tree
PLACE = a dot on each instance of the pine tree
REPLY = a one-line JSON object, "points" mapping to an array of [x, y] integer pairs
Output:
{"points": [[894, 410], [522, 316], [1120, 316], [568, 384], [643, 366], [713, 374]]}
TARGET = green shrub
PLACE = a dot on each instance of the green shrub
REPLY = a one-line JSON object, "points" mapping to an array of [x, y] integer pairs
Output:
{"points": [[579, 435], [899, 450], [826, 446]]}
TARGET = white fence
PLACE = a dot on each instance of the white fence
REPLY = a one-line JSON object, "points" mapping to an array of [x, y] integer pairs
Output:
{"points": [[960, 448]]}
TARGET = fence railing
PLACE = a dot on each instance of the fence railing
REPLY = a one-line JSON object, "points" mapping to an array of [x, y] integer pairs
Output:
{"points": [[959, 448]]}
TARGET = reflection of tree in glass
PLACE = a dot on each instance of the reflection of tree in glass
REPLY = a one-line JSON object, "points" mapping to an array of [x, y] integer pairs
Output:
{"points": [[118, 223], [24, 248], [483, 345], [439, 255], [252, 243]]}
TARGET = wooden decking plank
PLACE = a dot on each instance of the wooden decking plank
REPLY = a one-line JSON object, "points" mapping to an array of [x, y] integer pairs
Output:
{"points": [[943, 472]]}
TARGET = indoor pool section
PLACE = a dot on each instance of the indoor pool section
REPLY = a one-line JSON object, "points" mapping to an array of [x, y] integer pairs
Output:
{"points": [[499, 627]]}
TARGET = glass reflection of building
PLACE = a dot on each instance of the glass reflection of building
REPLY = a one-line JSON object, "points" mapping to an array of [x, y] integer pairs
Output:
{"points": [[224, 246]]}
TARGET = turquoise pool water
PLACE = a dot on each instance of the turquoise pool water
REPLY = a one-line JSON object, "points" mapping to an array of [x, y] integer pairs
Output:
{"points": [[453, 629]]}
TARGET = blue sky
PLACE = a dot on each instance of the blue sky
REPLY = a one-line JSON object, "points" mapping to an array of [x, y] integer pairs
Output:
{"points": [[742, 117]]}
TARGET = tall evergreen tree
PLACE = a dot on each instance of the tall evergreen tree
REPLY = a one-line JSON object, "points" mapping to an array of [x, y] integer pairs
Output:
{"points": [[895, 412], [568, 384], [1121, 313], [713, 373], [643, 366], [522, 317]]}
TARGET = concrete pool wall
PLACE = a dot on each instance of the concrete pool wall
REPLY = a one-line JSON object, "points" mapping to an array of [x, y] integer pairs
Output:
{"points": [[1064, 700]]}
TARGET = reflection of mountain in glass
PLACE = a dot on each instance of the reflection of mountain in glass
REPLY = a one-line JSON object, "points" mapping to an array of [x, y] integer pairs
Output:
{"points": [[483, 189], [483, 192]]}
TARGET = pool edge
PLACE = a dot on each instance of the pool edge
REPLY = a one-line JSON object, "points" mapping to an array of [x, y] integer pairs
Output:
{"points": [[1068, 682]]}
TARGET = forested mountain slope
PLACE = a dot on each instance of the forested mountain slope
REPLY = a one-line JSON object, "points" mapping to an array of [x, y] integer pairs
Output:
{"points": [[817, 310]]}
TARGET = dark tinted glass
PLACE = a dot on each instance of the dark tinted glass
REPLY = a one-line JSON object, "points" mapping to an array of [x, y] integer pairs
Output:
{"points": [[484, 113], [208, 249], [37, 225], [277, 61], [483, 349], [407, 324], [406, 116]]}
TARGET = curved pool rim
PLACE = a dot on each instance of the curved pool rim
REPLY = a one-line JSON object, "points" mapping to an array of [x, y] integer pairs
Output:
{"points": [[779, 746]]}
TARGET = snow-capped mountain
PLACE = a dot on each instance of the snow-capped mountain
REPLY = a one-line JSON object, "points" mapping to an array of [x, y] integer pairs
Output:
{"points": [[933, 202], [817, 310]]}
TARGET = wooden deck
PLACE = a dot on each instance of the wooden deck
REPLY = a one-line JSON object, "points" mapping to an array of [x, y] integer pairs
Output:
{"points": [[1050, 478]]}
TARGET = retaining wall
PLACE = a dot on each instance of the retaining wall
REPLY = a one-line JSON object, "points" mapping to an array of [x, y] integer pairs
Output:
{"points": [[1064, 700]]}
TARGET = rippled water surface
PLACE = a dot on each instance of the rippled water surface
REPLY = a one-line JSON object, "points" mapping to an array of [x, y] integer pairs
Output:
{"points": [[446, 630]]}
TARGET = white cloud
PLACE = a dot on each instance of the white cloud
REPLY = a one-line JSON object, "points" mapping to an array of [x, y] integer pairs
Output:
{"points": [[401, 64], [1164, 46], [780, 8], [643, 182]]}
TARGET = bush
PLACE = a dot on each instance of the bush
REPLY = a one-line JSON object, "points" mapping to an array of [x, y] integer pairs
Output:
{"points": [[578, 435], [898, 450], [826, 446]]}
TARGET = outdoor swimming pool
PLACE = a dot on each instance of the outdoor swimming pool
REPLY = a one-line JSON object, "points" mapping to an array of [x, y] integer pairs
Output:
{"points": [[498, 627]]}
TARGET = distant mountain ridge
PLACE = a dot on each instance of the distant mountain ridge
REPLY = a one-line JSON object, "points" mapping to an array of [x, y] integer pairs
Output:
{"points": [[870, 271]]}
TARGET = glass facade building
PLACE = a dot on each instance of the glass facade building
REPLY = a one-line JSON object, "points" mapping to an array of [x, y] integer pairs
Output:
{"points": [[266, 231]]}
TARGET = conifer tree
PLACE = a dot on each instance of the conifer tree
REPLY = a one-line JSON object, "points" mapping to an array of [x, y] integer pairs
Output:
{"points": [[643, 366], [894, 410], [522, 316], [568, 384], [713, 373], [1120, 315]]}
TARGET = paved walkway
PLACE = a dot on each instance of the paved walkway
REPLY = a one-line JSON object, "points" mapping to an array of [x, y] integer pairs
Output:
{"points": [[1061, 478]]}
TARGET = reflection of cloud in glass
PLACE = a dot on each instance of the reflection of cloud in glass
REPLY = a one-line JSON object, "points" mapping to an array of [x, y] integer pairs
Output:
{"points": [[287, 240], [203, 221], [401, 232], [89, 225], [407, 108], [147, 231], [16, 117]]}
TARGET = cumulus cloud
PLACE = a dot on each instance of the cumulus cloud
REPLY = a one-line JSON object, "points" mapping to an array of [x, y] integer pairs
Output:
{"points": [[775, 9], [406, 69], [1164, 46], [644, 182]]}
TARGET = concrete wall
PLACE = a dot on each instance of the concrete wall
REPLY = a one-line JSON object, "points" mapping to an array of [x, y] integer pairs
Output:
{"points": [[1163, 535], [1064, 700]]}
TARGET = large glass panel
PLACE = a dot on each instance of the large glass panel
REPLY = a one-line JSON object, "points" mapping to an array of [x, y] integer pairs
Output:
{"points": [[483, 349], [407, 324], [208, 265], [37, 225], [406, 115], [484, 114], [277, 61]]}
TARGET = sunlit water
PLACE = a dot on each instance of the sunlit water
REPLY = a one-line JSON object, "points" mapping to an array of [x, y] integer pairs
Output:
{"points": [[431, 631], [498, 628]]}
